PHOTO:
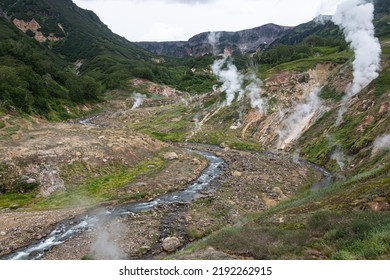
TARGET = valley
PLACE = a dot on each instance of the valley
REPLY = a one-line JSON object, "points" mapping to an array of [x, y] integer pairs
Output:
{"points": [[222, 147], [237, 195]]}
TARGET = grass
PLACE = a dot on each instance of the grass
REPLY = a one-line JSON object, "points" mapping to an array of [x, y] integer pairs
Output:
{"points": [[316, 224], [2, 124], [382, 84], [12, 129], [10, 200], [311, 62], [328, 93], [96, 190], [163, 128]]}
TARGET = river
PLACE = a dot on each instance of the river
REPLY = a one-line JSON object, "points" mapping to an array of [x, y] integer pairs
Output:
{"points": [[66, 230]]}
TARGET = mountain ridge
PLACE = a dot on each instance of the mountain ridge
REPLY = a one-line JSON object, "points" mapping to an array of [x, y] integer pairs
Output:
{"points": [[243, 41]]}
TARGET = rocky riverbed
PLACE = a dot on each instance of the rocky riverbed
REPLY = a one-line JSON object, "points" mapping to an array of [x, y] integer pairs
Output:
{"points": [[249, 182]]}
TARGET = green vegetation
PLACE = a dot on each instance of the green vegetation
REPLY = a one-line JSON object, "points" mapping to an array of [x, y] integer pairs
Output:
{"points": [[304, 41], [16, 200], [103, 188], [11, 183], [170, 124], [310, 62], [382, 84], [339, 222], [42, 79], [314, 225], [333, 235], [84, 191], [35, 81], [329, 93]]}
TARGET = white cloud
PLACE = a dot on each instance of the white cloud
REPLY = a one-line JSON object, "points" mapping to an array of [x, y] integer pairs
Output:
{"points": [[328, 7], [180, 19]]}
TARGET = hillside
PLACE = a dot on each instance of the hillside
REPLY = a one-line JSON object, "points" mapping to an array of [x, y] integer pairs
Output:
{"points": [[245, 41], [35, 80], [283, 155], [78, 35], [74, 41]]}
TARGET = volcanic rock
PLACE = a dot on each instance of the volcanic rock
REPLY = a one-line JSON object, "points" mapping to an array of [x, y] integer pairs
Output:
{"points": [[171, 244], [170, 156]]}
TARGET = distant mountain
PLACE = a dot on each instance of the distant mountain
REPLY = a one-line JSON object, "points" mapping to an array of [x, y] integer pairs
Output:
{"points": [[245, 41]]}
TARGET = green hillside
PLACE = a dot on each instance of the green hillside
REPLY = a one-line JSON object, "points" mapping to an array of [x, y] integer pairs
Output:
{"points": [[87, 47], [251, 214], [34, 80]]}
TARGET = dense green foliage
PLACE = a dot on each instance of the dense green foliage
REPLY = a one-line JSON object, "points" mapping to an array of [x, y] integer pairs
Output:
{"points": [[40, 78], [304, 41], [34, 80], [382, 7]]}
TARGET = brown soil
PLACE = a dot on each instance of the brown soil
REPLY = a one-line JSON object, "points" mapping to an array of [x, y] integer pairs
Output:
{"points": [[250, 183]]}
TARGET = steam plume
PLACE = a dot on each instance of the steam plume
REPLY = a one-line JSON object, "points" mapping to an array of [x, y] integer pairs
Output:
{"points": [[303, 114], [253, 90], [213, 40], [339, 157], [139, 99], [382, 143], [105, 246], [355, 18], [231, 78]]}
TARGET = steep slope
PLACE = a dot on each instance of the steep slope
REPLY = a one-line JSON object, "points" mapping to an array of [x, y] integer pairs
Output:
{"points": [[35, 80], [245, 41], [291, 114], [79, 36], [304, 93], [75, 42]]}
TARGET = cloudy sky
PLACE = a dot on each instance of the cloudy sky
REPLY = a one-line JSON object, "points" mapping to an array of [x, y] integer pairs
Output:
{"points": [[170, 20]]}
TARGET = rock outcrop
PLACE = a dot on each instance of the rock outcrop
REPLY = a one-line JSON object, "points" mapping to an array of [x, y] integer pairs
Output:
{"points": [[35, 27], [245, 41]]}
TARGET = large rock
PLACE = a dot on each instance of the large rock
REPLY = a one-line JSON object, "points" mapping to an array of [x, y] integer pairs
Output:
{"points": [[50, 181], [171, 244], [170, 156], [31, 181]]}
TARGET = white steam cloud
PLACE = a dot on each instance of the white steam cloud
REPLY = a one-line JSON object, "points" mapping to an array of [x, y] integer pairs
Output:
{"points": [[231, 79], [322, 19], [106, 245], [232, 83], [139, 99], [355, 18], [301, 118], [253, 90], [213, 40], [339, 157], [382, 143]]}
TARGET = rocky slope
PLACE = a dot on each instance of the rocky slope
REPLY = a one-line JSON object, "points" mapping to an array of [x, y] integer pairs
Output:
{"points": [[245, 41], [124, 154]]}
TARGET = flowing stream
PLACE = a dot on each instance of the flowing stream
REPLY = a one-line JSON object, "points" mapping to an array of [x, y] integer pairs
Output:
{"points": [[67, 230]]}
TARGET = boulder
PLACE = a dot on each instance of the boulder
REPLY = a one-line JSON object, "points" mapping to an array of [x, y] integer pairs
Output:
{"points": [[31, 181], [170, 156], [171, 244], [237, 174]]}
